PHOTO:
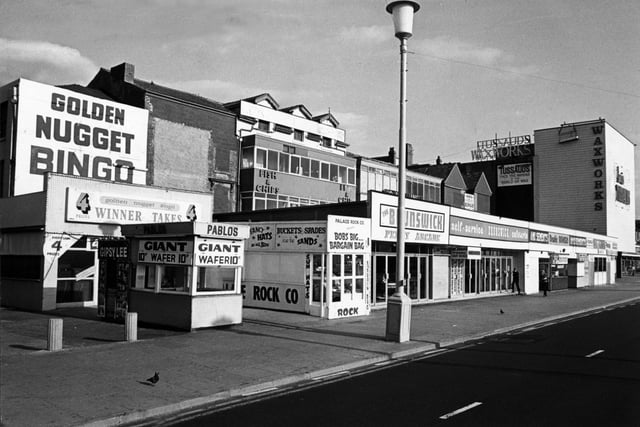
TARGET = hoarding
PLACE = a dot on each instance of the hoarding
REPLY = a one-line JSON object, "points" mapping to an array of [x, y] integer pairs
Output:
{"points": [[70, 133], [515, 174], [348, 234]]}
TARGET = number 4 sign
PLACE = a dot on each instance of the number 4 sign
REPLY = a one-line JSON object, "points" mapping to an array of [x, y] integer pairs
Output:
{"points": [[82, 204]]}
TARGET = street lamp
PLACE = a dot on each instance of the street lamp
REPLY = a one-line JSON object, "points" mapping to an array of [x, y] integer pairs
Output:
{"points": [[399, 304]]}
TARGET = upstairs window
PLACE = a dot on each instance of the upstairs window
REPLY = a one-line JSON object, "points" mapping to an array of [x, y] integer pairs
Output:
{"points": [[263, 125], [298, 135], [326, 142]]}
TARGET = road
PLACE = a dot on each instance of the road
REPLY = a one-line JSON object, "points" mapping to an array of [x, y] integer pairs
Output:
{"points": [[579, 372]]}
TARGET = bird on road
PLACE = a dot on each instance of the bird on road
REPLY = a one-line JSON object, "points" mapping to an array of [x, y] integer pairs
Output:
{"points": [[154, 379]]}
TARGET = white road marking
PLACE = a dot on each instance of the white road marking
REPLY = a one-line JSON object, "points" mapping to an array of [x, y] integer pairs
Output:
{"points": [[461, 410], [595, 353], [264, 390]]}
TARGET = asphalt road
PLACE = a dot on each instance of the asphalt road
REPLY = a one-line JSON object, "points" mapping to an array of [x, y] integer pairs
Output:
{"points": [[581, 372]]}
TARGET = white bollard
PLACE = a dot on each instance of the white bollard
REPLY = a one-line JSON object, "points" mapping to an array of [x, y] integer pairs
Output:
{"points": [[54, 343], [131, 327]]}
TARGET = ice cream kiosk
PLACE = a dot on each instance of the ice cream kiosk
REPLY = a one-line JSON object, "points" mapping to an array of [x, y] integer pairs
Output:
{"points": [[187, 274]]}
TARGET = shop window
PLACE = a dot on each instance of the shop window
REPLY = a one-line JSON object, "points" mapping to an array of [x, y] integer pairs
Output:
{"points": [[216, 279], [149, 279], [315, 169], [324, 171], [76, 270], [174, 278], [247, 157], [284, 163]]}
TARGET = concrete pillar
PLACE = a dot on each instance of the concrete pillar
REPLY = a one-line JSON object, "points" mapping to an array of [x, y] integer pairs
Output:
{"points": [[131, 327], [54, 342]]}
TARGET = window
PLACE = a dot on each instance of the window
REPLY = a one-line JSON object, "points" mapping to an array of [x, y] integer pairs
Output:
{"points": [[295, 164], [215, 279], [272, 162], [76, 271], [284, 163], [272, 201], [324, 170], [304, 161], [326, 142], [263, 125], [298, 135], [174, 278], [343, 174], [315, 169], [247, 157], [149, 281], [334, 173], [289, 149], [351, 176], [261, 158]]}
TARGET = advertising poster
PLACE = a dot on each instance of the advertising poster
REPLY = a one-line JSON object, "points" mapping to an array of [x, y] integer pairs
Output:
{"points": [[515, 174], [348, 234], [104, 208], [71, 133], [219, 253], [166, 251]]}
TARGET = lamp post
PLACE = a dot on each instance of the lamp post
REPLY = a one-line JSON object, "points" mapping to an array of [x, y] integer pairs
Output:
{"points": [[399, 304]]}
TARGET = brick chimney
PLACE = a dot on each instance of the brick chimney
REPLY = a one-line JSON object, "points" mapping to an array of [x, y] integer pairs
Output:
{"points": [[391, 157], [124, 72]]}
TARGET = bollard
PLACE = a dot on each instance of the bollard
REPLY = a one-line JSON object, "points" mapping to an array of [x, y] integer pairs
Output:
{"points": [[54, 343], [131, 327]]}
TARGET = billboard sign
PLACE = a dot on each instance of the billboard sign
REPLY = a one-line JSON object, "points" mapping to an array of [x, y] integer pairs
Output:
{"points": [[71, 133], [515, 174]]}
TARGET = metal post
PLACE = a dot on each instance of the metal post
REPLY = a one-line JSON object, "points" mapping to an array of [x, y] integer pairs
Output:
{"points": [[54, 341], [399, 304], [131, 327]]}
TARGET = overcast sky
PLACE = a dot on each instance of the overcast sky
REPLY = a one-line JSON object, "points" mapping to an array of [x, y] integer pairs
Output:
{"points": [[478, 67]]}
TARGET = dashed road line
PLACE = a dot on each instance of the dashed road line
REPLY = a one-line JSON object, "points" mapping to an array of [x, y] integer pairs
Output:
{"points": [[461, 410], [595, 353]]}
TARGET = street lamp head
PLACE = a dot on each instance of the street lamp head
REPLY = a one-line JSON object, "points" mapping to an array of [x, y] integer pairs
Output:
{"points": [[402, 11]]}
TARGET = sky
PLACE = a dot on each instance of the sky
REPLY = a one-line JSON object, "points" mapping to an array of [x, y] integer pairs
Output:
{"points": [[477, 68]]}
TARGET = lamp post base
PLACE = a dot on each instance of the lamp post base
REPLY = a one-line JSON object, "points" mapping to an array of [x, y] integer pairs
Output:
{"points": [[398, 318]]}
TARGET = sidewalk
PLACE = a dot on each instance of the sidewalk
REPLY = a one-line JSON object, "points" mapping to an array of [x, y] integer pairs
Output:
{"points": [[98, 379]]}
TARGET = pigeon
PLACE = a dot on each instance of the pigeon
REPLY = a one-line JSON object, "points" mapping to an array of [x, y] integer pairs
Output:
{"points": [[501, 312], [154, 379]]}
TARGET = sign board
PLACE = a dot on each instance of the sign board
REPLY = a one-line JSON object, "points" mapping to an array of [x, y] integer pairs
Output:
{"points": [[347, 234], [56, 244], [469, 202], [108, 208], [466, 227], [425, 222], [218, 253], [474, 253], [71, 133], [113, 249], [515, 174], [309, 236], [166, 251], [275, 296]]}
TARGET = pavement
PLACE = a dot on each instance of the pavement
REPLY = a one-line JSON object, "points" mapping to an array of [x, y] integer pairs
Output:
{"points": [[98, 379]]}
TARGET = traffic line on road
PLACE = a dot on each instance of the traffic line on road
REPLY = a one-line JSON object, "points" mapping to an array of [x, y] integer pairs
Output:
{"points": [[461, 410], [595, 353]]}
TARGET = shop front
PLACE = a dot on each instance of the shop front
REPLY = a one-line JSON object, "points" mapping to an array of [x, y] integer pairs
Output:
{"points": [[187, 275], [315, 267]]}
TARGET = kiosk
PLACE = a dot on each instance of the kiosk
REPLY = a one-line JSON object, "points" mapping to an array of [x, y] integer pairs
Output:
{"points": [[315, 267], [187, 274]]}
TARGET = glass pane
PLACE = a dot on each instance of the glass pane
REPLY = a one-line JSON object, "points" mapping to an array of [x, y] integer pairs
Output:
{"points": [[284, 162], [247, 157], [260, 204], [74, 291], [359, 285], [352, 176], [324, 170], [336, 265], [348, 265], [359, 265], [212, 279], [273, 160], [272, 204], [315, 169], [334, 173], [150, 276], [304, 163], [343, 174], [174, 278], [295, 164], [261, 158], [335, 290], [348, 286]]}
